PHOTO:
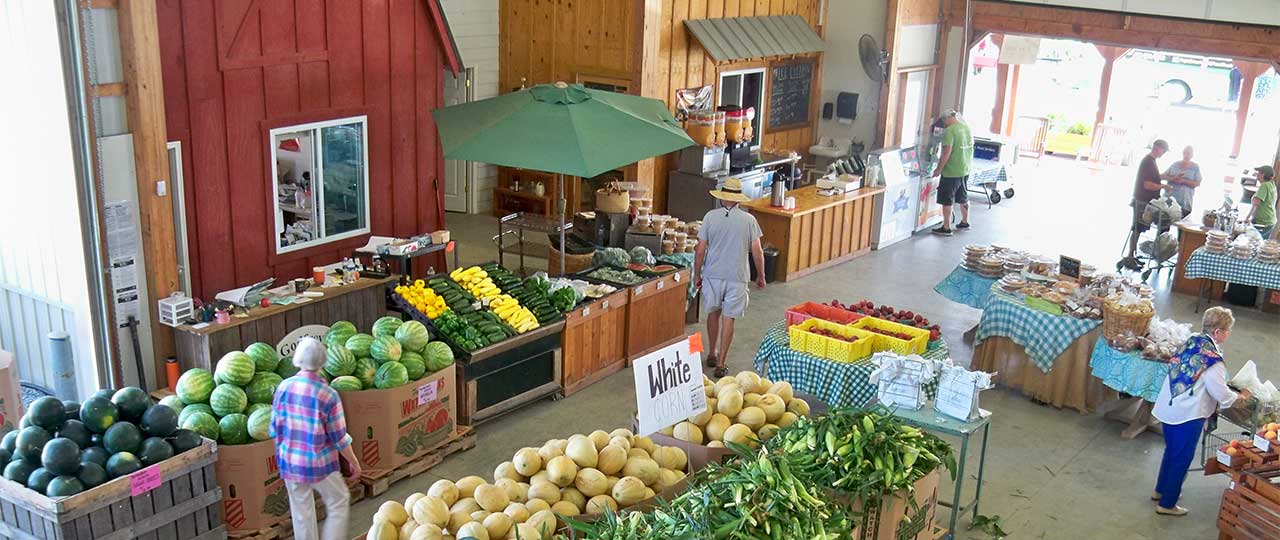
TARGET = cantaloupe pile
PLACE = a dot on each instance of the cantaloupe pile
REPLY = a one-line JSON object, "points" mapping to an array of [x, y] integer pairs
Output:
{"points": [[584, 474], [744, 409]]}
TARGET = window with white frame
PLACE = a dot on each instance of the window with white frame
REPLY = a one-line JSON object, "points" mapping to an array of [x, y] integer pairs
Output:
{"points": [[321, 182], [745, 88]]}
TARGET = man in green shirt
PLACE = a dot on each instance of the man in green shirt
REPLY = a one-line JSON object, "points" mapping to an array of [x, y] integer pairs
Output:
{"points": [[953, 166], [1263, 212]]}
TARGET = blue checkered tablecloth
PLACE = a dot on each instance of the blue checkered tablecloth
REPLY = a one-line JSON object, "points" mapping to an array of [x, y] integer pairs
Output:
{"points": [[1044, 336], [989, 175], [1222, 267], [1128, 372], [836, 383], [965, 287]]}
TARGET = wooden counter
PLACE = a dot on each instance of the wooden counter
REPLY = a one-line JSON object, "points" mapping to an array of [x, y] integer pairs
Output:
{"points": [[1191, 236], [820, 232], [361, 303]]}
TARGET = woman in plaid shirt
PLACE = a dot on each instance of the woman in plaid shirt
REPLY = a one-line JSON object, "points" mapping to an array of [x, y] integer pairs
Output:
{"points": [[311, 432]]}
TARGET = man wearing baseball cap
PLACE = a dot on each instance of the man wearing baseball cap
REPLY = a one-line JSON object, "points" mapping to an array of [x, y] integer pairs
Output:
{"points": [[727, 235], [1263, 212]]}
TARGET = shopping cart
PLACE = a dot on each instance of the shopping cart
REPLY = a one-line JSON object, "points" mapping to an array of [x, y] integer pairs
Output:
{"points": [[1156, 245]]}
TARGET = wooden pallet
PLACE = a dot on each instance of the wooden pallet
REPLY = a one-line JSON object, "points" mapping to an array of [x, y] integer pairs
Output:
{"points": [[1250, 508], [378, 482], [284, 529]]}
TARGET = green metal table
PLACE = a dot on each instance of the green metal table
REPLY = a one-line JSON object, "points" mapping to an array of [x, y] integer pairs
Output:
{"points": [[928, 419]]}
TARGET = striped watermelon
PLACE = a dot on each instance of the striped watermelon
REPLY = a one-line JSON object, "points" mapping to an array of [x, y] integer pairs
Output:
{"points": [[260, 425], [385, 349], [339, 361], [386, 326], [359, 345], [255, 407], [193, 408], [265, 358], [365, 369], [228, 399], [391, 375], [262, 389], [203, 423], [413, 364], [234, 429], [437, 355], [346, 383], [173, 402], [286, 368], [235, 368], [194, 386], [339, 333], [413, 336]]}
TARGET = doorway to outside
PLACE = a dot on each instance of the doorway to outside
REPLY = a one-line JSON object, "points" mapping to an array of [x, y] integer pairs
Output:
{"points": [[458, 188]]}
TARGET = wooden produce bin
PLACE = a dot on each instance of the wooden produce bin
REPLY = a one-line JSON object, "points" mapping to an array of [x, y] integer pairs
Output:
{"points": [[655, 313], [186, 503], [594, 341], [1251, 505], [510, 374]]}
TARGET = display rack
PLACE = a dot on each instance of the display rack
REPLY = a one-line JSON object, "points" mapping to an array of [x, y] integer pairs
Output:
{"points": [[516, 225]]}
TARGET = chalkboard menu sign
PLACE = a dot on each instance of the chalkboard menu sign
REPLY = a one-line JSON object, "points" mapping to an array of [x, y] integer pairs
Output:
{"points": [[791, 86], [1069, 267]]}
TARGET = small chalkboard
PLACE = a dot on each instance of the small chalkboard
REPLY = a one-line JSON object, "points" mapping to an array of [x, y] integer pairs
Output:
{"points": [[791, 86], [1069, 267]]}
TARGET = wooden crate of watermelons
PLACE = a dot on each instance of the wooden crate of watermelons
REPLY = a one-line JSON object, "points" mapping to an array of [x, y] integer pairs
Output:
{"points": [[115, 467]]}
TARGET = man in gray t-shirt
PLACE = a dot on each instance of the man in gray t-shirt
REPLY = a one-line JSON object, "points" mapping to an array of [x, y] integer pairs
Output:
{"points": [[1184, 177], [729, 233]]}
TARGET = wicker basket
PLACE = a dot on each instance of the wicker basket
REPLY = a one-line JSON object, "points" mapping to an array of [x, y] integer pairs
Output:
{"points": [[1117, 323], [613, 199], [573, 263]]}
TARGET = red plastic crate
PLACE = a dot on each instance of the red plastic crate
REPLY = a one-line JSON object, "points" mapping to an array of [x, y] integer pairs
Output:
{"points": [[812, 310]]}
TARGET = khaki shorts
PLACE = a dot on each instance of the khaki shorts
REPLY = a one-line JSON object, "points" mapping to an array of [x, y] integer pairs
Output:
{"points": [[728, 297]]}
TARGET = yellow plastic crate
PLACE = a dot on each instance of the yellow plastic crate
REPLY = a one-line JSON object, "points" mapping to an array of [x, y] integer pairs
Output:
{"points": [[918, 344], [803, 339]]}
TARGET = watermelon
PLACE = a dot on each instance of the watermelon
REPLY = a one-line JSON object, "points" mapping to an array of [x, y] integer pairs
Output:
{"points": [[359, 345], [72, 409], [365, 368], [46, 412], [262, 389], [202, 423], [390, 375], [413, 336], [255, 407], [10, 441], [228, 399], [285, 368], [235, 368], [95, 454], [5, 457], [92, 474], [64, 486], [413, 365], [30, 443], [39, 479], [234, 429], [339, 333], [132, 402], [260, 425], [264, 357], [98, 414], [123, 464], [385, 349], [173, 402], [75, 430], [159, 421], [437, 355], [194, 386], [339, 361], [61, 456], [122, 437], [104, 393], [19, 470], [192, 409], [154, 450], [386, 326], [346, 383], [185, 439]]}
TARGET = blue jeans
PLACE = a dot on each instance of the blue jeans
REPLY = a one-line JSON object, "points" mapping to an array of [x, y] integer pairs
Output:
{"points": [[1179, 449]]}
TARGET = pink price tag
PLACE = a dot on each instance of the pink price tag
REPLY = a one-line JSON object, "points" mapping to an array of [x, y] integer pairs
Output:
{"points": [[144, 480], [427, 393]]}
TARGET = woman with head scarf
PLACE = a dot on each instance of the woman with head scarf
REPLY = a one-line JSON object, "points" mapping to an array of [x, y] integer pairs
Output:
{"points": [[1194, 390]]}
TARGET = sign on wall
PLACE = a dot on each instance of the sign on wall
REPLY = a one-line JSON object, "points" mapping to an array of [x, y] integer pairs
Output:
{"points": [[290, 341], [790, 88], [1020, 50], [669, 385]]}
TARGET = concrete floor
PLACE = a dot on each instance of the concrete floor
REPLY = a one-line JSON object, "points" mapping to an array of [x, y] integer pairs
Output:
{"points": [[1052, 474]]}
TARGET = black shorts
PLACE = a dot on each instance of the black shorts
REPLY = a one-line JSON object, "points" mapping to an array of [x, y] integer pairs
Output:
{"points": [[953, 190]]}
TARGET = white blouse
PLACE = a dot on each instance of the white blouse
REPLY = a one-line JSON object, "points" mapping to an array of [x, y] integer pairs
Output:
{"points": [[1208, 394]]}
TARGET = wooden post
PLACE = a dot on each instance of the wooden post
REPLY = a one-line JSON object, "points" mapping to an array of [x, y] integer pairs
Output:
{"points": [[649, 24], [144, 101], [1109, 56], [1002, 87], [1011, 110], [1249, 72]]}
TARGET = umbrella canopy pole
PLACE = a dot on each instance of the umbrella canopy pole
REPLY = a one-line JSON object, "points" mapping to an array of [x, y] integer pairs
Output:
{"points": [[560, 224]]}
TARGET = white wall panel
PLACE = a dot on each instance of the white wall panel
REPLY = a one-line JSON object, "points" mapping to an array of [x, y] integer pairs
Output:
{"points": [[842, 71], [474, 24]]}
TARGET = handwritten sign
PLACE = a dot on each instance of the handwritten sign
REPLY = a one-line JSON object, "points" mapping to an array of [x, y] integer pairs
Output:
{"points": [[1261, 443], [1224, 458], [427, 392], [290, 341], [661, 284], [791, 87], [145, 480], [668, 386], [1069, 267]]}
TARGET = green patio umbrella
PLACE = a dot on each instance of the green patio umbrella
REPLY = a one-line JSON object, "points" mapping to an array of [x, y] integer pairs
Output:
{"points": [[565, 129]]}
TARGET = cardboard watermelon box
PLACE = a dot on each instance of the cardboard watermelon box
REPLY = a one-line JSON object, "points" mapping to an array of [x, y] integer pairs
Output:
{"points": [[394, 426], [253, 495]]}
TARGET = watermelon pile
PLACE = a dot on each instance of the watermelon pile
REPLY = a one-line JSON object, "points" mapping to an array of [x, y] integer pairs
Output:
{"points": [[393, 353], [232, 405], [62, 448]]}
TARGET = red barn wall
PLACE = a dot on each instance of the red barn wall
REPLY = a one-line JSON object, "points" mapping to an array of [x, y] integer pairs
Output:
{"points": [[235, 69]]}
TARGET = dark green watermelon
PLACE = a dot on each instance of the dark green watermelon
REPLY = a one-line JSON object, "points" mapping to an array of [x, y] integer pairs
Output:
{"points": [[159, 421], [123, 464], [98, 414], [95, 454], [72, 409], [95, 440], [39, 479], [25, 422], [47, 412], [92, 475], [64, 486], [30, 443], [61, 456], [122, 437], [19, 470], [75, 430], [184, 439], [5, 458], [10, 441], [154, 450], [132, 402], [105, 393]]}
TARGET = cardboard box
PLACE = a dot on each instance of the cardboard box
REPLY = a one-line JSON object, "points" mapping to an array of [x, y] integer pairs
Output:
{"points": [[886, 523], [392, 427], [10, 393], [253, 495]]}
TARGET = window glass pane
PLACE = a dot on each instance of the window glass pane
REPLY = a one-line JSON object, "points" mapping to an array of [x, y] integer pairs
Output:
{"points": [[342, 151], [730, 89], [753, 96], [295, 171]]}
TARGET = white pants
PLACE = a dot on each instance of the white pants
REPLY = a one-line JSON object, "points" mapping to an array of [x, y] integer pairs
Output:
{"points": [[302, 505]]}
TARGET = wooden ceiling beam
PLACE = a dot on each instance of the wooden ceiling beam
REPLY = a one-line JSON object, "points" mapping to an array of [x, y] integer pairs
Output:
{"points": [[1128, 38]]}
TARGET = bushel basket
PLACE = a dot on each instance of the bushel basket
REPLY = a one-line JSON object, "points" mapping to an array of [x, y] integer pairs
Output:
{"points": [[1118, 322]]}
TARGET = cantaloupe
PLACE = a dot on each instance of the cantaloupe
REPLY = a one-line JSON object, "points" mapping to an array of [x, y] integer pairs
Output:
{"points": [[765, 385], [669, 478], [783, 390], [600, 438], [612, 458], [395, 512], [479, 515], [646, 470], [517, 512], [729, 402], [548, 451], [613, 481], [712, 404], [583, 451], [444, 490], [491, 498], [431, 509], [467, 505], [591, 482], [672, 457], [544, 491], [427, 531], [715, 444], [767, 432], [512, 489], [572, 496], [701, 418], [638, 453], [748, 380], [382, 530], [507, 469], [525, 531], [538, 505], [541, 476], [628, 491], [786, 419], [467, 486], [621, 432], [411, 500], [543, 522], [738, 433], [773, 407], [527, 462], [406, 530], [798, 406], [562, 470], [472, 530], [601, 503], [752, 417], [716, 427], [497, 525], [686, 431], [749, 399], [457, 518], [726, 382], [624, 442], [643, 443]]}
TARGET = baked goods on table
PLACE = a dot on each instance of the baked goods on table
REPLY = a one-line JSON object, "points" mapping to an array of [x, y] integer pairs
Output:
{"points": [[990, 267], [973, 254], [1012, 283], [1216, 241], [1269, 252]]}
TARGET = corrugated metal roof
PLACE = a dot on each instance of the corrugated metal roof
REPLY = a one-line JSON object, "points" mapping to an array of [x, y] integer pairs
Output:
{"points": [[737, 38]]}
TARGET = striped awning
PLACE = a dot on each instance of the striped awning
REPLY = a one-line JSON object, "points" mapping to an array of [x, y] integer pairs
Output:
{"points": [[739, 38]]}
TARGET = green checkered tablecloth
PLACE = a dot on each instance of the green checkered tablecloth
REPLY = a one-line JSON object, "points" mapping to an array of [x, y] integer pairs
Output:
{"points": [[1128, 372], [1044, 336], [1222, 267], [965, 287], [836, 383]]}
